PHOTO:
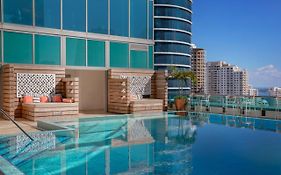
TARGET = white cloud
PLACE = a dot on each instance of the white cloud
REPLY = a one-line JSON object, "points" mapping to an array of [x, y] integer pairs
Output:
{"points": [[266, 76]]}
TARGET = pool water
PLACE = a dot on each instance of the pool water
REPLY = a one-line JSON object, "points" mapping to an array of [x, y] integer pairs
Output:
{"points": [[195, 144]]}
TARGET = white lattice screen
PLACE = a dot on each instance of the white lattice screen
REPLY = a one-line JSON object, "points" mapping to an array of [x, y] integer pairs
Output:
{"points": [[35, 85]]}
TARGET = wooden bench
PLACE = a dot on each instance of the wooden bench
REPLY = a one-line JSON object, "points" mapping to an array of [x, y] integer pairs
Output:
{"points": [[42, 111], [146, 105]]}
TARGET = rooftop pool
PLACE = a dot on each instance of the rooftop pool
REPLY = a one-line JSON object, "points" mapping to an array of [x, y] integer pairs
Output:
{"points": [[167, 143]]}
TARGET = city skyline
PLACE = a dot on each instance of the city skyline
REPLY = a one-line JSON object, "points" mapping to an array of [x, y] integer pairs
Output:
{"points": [[249, 39]]}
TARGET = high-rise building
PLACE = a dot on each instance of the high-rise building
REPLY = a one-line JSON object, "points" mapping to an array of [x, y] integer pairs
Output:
{"points": [[198, 66], [86, 37], [275, 92], [226, 79], [172, 34]]}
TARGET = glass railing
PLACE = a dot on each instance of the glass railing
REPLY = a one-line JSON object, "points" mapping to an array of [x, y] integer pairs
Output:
{"points": [[257, 103]]}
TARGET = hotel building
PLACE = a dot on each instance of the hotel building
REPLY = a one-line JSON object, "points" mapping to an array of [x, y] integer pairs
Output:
{"points": [[86, 37], [275, 92], [172, 34], [198, 66], [226, 79]]}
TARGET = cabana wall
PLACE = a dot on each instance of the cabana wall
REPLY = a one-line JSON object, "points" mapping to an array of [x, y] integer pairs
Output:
{"points": [[68, 87]]}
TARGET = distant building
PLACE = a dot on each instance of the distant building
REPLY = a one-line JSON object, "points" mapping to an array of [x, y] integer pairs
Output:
{"points": [[198, 66], [275, 92], [226, 79], [252, 91]]}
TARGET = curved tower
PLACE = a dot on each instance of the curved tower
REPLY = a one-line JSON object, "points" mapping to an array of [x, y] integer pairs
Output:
{"points": [[172, 34]]}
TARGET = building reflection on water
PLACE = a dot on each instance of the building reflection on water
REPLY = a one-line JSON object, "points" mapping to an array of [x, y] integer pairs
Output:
{"points": [[122, 145]]}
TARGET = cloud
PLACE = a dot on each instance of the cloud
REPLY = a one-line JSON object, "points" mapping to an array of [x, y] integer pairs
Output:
{"points": [[266, 76]]}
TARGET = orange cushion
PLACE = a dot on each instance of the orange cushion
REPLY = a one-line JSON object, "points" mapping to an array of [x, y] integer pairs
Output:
{"points": [[27, 99], [67, 100], [57, 98], [44, 99]]}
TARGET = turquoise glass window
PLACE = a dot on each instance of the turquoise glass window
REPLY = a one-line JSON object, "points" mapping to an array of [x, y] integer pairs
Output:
{"points": [[138, 59], [96, 53], [18, 11], [150, 19], [119, 55], [47, 50], [98, 16], [17, 48], [119, 17], [75, 52], [74, 15], [47, 13], [151, 57], [138, 18]]}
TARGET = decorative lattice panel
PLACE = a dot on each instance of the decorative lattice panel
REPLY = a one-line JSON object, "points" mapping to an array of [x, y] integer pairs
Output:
{"points": [[139, 85], [35, 85]]}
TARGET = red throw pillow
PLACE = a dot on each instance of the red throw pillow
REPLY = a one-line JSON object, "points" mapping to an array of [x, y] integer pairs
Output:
{"points": [[27, 99], [57, 98], [67, 100], [44, 99]]}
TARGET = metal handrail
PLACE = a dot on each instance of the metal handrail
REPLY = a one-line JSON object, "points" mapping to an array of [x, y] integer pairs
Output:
{"points": [[12, 120]]}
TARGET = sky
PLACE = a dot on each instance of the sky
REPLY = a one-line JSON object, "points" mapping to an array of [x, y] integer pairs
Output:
{"points": [[246, 33]]}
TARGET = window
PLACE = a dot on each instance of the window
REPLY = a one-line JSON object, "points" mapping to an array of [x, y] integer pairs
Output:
{"points": [[47, 50], [96, 53], [74, 15], [138, 59], [151, 57], [98, 16], [138, 18], [18, 11], [47, 13], [151, 19], [119, 16], [75, 52], [119, 55], [17, 48]]}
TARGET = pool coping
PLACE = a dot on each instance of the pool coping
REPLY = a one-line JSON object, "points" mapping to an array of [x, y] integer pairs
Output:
{"points": [[8, 168]]}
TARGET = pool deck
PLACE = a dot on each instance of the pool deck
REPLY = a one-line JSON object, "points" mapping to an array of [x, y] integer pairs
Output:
{"points": [[8, 128]]}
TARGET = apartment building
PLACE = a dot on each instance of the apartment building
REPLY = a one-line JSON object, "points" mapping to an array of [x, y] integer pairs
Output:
{"points": [[226, 79], [198, 66], [275, 92]]}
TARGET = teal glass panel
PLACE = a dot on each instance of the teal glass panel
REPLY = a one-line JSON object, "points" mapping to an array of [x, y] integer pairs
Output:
{"points": [[47, 50], [98, 16], [119, 55], [74, 15], [151, 57], [150, 19], [47, 13], [138, 59], [17, 48], [75, 52], [119, 154], [119, 17], [96, 53], [18, 11], [138, 18], [139, 155]]}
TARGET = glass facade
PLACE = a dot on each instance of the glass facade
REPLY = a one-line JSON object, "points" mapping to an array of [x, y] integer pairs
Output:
{"points": [[74, 15], [18, 11], [75, 52], [119, 17], [47, 50], [98, 16], [17, 48], [47, 13], [138, 59], [96, 53], [68, 32], [119, 55], [138, 19], [172, 36]]}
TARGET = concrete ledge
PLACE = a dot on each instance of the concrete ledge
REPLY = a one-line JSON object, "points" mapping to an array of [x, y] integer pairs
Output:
{"points": [[6, 168]]}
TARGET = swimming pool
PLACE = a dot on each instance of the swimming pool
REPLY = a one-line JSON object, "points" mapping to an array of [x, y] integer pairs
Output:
{"points": [[196, 144]]}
